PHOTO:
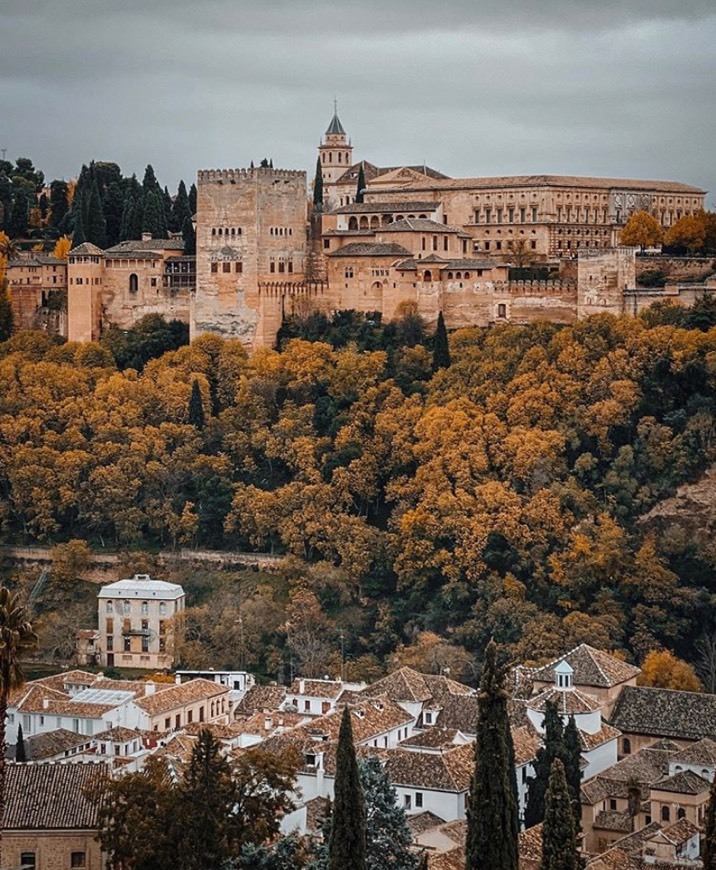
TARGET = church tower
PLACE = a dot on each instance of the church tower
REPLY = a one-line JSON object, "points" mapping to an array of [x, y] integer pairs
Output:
{"points": [[335, 152]]}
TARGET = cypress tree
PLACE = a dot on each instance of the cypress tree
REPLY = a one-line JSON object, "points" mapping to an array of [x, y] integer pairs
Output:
{"points": [[96, 225], [125, 227], [180, 209], [137, 218], [188, 234], [196, 407], [346, 846], [113, 207], [20, 214], [149, 182], [168, 204], [492, 822], [441, 349], [153, 220], [361, 184], [318, 187], [572, 772], [20, 751], [79, 234], [708, 841], [58, 202], [537, 784], [559, 841], [192, 200]]}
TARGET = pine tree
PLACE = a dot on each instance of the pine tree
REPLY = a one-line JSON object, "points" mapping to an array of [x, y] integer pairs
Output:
{"points": [[113, 206], [153, 219], [318, 187], [20, 213], [708, 841], [192, 200], [196, 407], [20, 751], [388, 836], [180, 209], [492, 820], [559, 841], [441, 349], [360, 187], [572, 771], [135, 231], [347, 843], [537, 784], [188, 234], [96, 225], [125, 227], [58, 202]]}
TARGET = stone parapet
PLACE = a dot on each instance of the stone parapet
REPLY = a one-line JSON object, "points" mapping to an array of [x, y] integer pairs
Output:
{"points": [[232, 176]]}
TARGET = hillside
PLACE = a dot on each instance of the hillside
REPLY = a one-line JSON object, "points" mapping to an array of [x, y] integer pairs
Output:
{"points": [[425, 513]]}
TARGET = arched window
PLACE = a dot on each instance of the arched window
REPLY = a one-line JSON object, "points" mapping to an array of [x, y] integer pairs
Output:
{"points": [[109, 607], [162, 608], [126, 606], [374, 222], [353, 223], [364, 223], [466, 275], [145, 608], [133, 282], [665, 814], [458, 275], [681, 813], [449, 276], [428, 275]]}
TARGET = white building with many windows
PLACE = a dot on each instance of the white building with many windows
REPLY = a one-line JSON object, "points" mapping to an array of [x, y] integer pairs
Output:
{"points": [[139, 619]]}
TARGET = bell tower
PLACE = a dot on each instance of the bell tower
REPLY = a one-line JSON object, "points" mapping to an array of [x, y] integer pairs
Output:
{"points": [[335, 152]]}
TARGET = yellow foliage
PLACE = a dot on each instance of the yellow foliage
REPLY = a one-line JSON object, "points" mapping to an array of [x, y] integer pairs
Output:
{"points": [[664, 670], [62, 247]]}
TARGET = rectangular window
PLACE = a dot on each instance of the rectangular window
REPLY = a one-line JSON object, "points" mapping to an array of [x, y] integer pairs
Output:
{"points": [[418, 799], [110, 642], [128, 644], [534, 214], [239, 267], [326, 243], [153, 282], [407, 802], [27, 860], [226, 267], [110, 626], [272, 266], [145, 644], [214, 267]]}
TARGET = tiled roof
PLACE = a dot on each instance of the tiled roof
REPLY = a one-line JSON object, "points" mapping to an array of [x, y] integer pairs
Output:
{"points": [[591, 667], [370, 249], [645, 767], [449, 770], [665, 712], [614, 859], [411, 264], [613, 820], [452, 860], [117, 734], [53, 743], [155, 245], [52, 796], [680, 832], [371, 172], [432, 738], [86, 249], [702, 752], [568, 701], [260, 698], [416, 225], [571, 181], [335, 128], [178, 696], [425, 821], [66, 678], [385, 207], [316, 688], [316, 812], [405, 684], [604, 735], [530, 847], [370, 718], [683, 782], [41, 699], [276, 722], [460, 712], [526, 743], [632, 843]]}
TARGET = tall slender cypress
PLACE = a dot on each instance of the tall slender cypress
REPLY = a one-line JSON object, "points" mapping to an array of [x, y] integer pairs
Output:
{"points": [[559, 841], [96, 223], [346, 847], [188, 234], [318, 186], [708, 841], [20, 751], [553, 748], [360, 187], [492, 822], [441, 350], [572, 771], [196, 406], [79, 234]]}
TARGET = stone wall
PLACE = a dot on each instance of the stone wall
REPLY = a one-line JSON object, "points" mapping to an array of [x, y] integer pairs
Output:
{"points": [[251, 230], [675, 268], [603, 276]]}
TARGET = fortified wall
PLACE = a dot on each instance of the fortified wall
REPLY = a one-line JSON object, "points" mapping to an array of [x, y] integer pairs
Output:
{"points": [[251, 233]]}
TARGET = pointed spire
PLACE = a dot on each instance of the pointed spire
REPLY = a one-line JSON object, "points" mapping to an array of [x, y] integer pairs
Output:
{"points": [[335, 128]]}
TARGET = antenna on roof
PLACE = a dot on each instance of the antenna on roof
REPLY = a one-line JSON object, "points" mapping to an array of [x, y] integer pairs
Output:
{"points": [[4, 152], [335, 106]]}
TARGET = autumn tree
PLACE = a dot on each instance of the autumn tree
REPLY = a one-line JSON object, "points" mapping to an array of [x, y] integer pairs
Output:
{"points": [[664, 670], [687, 232], [642, 230], [62, 247]]}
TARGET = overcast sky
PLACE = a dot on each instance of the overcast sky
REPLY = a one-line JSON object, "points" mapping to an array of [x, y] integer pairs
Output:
{"points": [[472, 87]]}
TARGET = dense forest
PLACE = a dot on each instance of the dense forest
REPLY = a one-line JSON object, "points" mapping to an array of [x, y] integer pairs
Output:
{"points": [[428, 506]]}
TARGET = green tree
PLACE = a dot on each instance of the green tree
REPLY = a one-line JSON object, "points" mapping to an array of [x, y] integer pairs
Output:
{"points": [[16, 640], [572, 770], [125, 227], [188, 234], [6, 319], [441, 349], [79, 232], [196, 406], [642, 230], [206, 806], [318, 186], [96, 224], [59, 204], [708, 842], [288, 853], [23, 199], [153, 217], [113, 207], [360, 187], [20, 751], [347, 843], [180, 209], [553, 748], [559, 841], [192, 200], [492, 820]]}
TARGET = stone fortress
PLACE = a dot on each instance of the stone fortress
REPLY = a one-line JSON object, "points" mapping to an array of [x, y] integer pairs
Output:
{"points": [[412, 237]]}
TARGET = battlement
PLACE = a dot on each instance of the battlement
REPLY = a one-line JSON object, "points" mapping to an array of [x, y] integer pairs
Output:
{"points": [[600, 253], [232, 176], [292, 288]]}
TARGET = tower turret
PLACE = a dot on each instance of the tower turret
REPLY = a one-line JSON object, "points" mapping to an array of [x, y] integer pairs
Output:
{"points": [[335, 152]]}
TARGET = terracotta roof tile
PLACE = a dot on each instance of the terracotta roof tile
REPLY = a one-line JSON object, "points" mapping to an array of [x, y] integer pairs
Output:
{"points": [[370, 249], [613, 820], [386, 207], [260, 698], [665, 713], [449, 770], [604, 735], [370, 718], [555, 181], [177, 696], [614, 859], [568, 701], [530, 845], [702, 752], [684, 782], [431, 738], [317, 688], [52, 796], [459, 712], [53, 743], [526, 743], [425, 821]]}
